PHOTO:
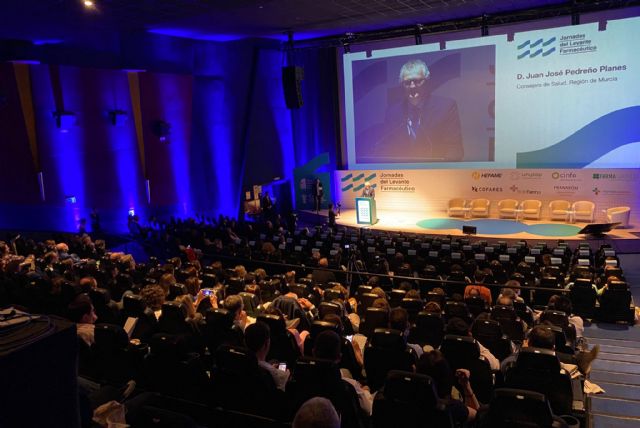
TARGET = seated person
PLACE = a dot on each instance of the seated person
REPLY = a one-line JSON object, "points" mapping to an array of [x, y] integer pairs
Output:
{"points": [[154, 297], [434, 365], [300, 337], [458, 327], [81, 312], [560, 302], [399, 320], [328, 346], [258, 339], [483, 291], [316, 412], [539, 337]]}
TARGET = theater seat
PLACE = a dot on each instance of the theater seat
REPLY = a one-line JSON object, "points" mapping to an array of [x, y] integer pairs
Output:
{"points": [[429, 330], [539, 370], [135, 307], [386, 351], [517, 408], [409, 400]]}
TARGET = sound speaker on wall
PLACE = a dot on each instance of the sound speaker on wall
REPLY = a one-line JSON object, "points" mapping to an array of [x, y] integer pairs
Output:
{"points": [[292, 77]]}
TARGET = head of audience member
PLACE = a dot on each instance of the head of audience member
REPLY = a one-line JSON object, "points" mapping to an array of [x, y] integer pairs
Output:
{"points": [[509, 291], [405, 285], [434, 365], [260, 274], [504, 301], [373, 281], [413, 294], [166, 281], [457, 297], [81, 310], [540, 337], [240, 271], [399, 320], [380, 304], [87, 284], [316, 412], [323, 263], [433, 308], [186, 301], [257, 337], [153, 296], [193, 285], [479, 276], [290, 277], [474, 292], [439, 291], [379, 292], [560, 302], [335, 320], [328, 346], [235, 306], [457, 326]]}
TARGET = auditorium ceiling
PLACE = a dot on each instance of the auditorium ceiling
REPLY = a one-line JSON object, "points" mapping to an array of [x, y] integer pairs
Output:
{"points": [[69, 21]]}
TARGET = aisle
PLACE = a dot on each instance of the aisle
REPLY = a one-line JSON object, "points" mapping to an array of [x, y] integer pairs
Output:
{"points": [[617, 371]]}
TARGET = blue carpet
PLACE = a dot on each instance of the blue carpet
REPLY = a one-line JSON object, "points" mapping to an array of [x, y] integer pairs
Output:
{"points": [[604, 421], [500, 227]]}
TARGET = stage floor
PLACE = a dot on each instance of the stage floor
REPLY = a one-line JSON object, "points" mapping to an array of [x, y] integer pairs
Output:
{"points": [[438, 223]]}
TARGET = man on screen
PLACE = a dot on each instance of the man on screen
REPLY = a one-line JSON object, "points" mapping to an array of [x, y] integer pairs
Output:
{"points": [[423, 127], [368, 191]]}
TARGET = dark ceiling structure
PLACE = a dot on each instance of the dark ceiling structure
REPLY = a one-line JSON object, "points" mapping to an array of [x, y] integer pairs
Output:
{"points": [[70, 21]]}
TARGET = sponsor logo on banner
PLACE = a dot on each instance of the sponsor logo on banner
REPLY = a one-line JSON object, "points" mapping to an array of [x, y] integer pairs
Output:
{"points": [[516, 189], [477, 175], [566, 189], [617, 176], [596, 191], [565, 176], [354, 182], [486, 189], [536, 48], [516, 175]]}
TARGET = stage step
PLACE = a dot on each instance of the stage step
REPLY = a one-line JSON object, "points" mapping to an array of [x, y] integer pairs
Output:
{"points": [[608, 421]]}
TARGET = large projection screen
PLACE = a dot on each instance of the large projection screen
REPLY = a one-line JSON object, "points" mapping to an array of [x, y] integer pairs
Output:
{"points": [[564, 97]]}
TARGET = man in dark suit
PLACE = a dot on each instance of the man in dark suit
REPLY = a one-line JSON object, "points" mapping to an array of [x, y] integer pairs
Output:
{"points": [[318, 193], [424, 127], [321, 275]]}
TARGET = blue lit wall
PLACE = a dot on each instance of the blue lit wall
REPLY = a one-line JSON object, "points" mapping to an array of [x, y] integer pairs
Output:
{"points": [[229, 129]]}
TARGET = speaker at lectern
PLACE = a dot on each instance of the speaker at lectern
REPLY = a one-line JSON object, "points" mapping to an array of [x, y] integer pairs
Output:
{"points": [[366, 211]]}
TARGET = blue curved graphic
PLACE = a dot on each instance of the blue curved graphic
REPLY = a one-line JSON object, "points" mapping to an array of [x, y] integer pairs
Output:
{"points": [[593, 141], [500, 227]]}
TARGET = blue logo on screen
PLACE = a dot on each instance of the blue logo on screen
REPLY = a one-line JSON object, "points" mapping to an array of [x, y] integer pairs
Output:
{"points": [[538, 48]]}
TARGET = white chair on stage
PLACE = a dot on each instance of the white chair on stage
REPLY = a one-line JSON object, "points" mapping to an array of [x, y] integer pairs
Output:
{"points": [[619, 215], [583, 211], [559, 209], [531, 209], [507, 208], [457, 207], [479, 207]]}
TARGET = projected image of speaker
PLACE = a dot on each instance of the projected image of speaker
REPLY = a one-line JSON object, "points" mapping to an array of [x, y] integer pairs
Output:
{"points": [[469, 230], [292, 77]]}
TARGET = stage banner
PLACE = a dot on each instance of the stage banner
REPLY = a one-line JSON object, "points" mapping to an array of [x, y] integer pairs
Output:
{"points": [[429, 190]]}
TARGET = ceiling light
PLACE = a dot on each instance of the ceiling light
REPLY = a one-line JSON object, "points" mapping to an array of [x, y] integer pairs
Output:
{"points": [[88, 3]]}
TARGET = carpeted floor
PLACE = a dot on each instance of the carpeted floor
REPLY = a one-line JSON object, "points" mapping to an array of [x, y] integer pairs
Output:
{"points": [[491, 226], [617, 371]]}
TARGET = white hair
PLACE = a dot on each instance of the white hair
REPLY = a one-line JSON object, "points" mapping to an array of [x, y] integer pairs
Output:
{"points": [[412, 65]]}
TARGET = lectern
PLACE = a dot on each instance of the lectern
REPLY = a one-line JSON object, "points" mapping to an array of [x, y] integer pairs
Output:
{"points": [[366, 211]]}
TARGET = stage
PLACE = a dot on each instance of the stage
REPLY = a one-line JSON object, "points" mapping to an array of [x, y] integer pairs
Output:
{"points": [[438, 223]]}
